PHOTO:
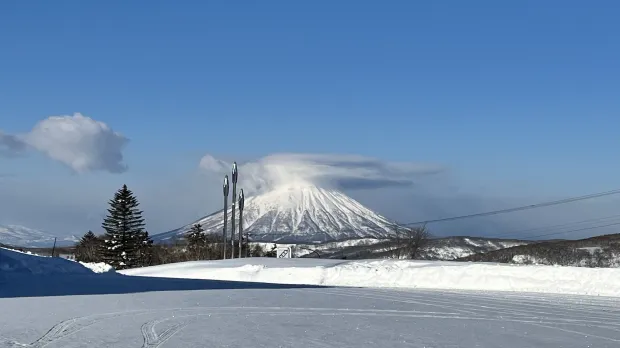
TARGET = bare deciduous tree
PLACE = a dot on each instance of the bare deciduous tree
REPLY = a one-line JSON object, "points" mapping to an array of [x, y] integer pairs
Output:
{"points": [[408, 242]]}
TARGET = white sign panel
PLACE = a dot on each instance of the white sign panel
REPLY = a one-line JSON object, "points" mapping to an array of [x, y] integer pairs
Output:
{"points": [[283, 253]]}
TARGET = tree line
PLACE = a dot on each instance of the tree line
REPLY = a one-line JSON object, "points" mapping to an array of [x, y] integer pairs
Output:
{"points": [[126, 243], [600, 251]]}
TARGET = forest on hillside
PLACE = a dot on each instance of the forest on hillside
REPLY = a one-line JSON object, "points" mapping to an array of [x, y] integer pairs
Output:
{"points": [[600, 251]]}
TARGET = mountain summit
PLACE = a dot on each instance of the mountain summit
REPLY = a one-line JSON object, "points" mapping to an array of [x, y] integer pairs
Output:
{"points": [[301, 213]]}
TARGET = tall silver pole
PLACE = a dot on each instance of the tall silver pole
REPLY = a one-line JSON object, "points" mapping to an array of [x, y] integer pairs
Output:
{"points": [[241, 199], [225, 216], [234, 201]]}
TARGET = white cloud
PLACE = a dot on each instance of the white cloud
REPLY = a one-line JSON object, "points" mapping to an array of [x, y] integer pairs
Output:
{"points": [[78, 141], [348, 172], [213, 164]]}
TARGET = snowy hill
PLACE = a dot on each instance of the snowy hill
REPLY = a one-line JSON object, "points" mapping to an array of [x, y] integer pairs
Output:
{"points": [[452, 248], [598, 251], [16, 262], [15, 235], [446, 249], [300, 214]]}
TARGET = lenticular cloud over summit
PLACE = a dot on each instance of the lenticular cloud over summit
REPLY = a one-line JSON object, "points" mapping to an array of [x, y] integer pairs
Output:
{"points": [[324, 170]]}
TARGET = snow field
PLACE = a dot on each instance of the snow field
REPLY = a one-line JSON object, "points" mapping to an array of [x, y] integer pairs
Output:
{"points": [[370, 273], [113, 310], [320, 317], [398, 274]]}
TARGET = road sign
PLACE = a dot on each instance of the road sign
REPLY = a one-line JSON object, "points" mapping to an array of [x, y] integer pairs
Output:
{"points": [[283, 252]]}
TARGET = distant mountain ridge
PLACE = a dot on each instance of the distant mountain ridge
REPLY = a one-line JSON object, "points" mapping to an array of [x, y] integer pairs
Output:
{"points": [[452, 248], [21, 236], [299, 214]]}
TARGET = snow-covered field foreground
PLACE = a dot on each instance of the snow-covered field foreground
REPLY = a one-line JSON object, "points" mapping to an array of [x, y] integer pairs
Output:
{"points": [[399, 274], [244, 316], [75, 307]]}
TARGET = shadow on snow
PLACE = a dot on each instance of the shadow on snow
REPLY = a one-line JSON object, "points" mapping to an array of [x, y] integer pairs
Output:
{"points": [[28, 285]]}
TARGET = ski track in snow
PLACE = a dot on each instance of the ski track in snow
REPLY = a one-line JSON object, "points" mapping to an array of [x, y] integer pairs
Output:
{"points": [[311, 317]]}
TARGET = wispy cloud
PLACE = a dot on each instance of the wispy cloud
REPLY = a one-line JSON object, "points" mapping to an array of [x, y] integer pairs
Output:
{"points": [[78, 141], [11, 145]]}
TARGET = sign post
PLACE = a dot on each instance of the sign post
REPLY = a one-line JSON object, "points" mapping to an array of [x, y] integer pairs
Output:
{"points": [[284, 253]]}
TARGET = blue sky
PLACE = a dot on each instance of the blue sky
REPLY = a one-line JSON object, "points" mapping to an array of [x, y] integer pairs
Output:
{"points": [[519, 100]]}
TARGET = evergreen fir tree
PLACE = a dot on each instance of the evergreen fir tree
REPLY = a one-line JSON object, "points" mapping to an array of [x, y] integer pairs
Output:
{"points": [[145, 250], [273, 252], [87, 250], [257, 251], [196, 240], [89, 237], [125, 237], [195, 236]]}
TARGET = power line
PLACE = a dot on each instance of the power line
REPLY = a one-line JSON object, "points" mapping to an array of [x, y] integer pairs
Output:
{"points": [[525, 207], [552, 227], [572, 231]]}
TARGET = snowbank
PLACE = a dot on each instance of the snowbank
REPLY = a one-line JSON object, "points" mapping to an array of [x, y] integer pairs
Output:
{"points": [[98, 267], [12, 261], [398, 274], [16, 261]]}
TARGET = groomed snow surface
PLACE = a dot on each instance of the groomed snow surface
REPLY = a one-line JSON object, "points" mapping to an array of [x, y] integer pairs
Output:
{"points": [[72, 306]]}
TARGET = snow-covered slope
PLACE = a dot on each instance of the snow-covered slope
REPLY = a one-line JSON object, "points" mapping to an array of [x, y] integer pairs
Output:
{"points": [[300, 214], [12, 261], [132, 311], [397, 274], [15, 235], [452, 248]]}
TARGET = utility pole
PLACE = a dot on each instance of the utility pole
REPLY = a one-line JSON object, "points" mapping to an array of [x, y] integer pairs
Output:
{"points": [[241, 201], [225, 216], [234, 198], [54, 247]]}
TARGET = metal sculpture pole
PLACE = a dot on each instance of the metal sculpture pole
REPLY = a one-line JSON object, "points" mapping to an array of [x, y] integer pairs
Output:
{"points": [[225, 216], [241, 201], [234, 199]]}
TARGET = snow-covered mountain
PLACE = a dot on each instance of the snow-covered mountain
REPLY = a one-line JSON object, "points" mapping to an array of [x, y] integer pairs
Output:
{"points": [[299, 214], [21, 236]]}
